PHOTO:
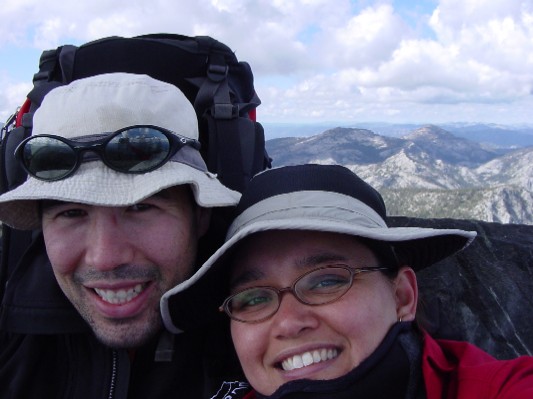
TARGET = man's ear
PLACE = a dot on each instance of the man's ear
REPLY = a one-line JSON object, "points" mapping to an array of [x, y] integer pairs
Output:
{"points": [[406, 292], [203, 217]]}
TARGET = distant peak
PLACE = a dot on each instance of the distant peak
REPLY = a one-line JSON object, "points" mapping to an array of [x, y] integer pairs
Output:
{"points": [[350, 132], [429, 132]]}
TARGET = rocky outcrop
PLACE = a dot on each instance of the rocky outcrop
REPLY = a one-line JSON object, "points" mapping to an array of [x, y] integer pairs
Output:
{"points": [[483, 294]]}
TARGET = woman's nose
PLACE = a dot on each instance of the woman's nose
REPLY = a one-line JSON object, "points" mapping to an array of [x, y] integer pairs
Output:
{"points": [[293, 317]]}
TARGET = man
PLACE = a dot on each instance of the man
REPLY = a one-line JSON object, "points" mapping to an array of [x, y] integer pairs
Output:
{"points": [[122, 196]]}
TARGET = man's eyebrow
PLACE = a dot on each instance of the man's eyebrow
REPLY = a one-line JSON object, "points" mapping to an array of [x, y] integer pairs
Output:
{"points": [[48, 204]]}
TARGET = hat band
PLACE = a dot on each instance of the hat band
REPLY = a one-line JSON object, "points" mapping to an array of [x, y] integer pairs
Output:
{"points": [[315, 205], [186, 155], [191, 157]]}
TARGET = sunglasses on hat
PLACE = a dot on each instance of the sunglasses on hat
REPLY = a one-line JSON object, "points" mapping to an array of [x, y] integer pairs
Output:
{"points": [[134, 149]]}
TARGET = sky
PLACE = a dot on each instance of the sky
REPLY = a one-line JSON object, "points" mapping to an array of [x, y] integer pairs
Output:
{"points": [[341, 61]]}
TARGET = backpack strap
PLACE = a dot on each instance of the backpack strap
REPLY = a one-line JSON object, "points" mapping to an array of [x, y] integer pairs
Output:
{"points": [[236, 144], [239, 150], [213, 94]]}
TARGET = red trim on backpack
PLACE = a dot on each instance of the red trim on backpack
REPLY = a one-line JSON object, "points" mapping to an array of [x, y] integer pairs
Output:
{"points": [[253, 114], [23, 110]]}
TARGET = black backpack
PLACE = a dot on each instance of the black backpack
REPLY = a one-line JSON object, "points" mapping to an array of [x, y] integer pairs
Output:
{"points": [[218, 85]]}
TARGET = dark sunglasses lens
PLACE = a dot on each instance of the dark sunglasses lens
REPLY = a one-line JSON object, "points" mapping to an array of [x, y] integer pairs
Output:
{"points": [[137, 150], [48, 158]]}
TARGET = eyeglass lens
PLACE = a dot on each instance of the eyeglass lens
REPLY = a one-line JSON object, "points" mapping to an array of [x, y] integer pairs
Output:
{"points": [[48, 158], [318, 287], [132, 150], [137, 150]]}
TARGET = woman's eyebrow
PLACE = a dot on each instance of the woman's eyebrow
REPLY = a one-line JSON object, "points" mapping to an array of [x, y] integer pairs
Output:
{"points": [[253, 274], [246, 277], [319, 259]]}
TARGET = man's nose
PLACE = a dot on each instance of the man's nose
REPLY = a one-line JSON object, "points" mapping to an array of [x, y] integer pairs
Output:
{"points": [[108, 241]]}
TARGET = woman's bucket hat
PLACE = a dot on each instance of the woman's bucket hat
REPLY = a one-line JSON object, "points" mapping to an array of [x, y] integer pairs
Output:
{"points": [[102, 104], [328, 198]]}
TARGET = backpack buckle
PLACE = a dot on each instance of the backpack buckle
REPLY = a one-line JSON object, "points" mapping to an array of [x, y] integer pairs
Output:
{"points": [[217, 73], [225, 111]]}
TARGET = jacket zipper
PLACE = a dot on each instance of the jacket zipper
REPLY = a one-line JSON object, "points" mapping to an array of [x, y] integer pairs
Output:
{"points": [[113, 375]]}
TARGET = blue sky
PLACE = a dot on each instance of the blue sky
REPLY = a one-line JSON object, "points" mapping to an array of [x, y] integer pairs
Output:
{"points": [[397, 61]]}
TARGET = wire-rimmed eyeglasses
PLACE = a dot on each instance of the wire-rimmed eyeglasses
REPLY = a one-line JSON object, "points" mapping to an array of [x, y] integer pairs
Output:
{"points": [[316, 287]]}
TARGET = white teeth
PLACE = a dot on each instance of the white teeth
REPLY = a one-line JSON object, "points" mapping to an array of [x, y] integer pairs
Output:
{"points": [[118, 297], [297, 362], [308, 358]]}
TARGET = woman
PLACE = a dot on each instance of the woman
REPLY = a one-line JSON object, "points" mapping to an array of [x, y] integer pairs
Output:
{"points": [[322, 297]]}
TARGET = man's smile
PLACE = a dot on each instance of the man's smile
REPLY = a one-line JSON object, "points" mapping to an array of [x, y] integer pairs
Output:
{"points": [[120, 296]]}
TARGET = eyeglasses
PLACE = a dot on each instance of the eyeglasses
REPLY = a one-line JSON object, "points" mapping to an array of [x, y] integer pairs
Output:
{"points": [[134, 149], [316, 287]]}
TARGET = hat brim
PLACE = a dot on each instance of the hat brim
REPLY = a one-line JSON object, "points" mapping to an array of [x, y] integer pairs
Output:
{"points": [[95, 184], [415, 246]]}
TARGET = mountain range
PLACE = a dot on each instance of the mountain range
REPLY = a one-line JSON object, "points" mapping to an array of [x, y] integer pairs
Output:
{"points": [[428, 172], [488, 134]]}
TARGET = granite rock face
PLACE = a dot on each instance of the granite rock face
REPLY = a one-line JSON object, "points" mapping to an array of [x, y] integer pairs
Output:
{"points": [[483, 294]]}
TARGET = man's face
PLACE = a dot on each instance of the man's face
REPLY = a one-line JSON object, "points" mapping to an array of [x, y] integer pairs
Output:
{"points": [[313, 342], [115, 263]]}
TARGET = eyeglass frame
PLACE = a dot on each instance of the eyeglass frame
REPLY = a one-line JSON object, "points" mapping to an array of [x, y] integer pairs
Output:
{"points": [[176, 143], [292, 289]]}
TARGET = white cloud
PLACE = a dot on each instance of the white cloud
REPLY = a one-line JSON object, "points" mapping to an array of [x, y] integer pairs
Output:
{"points": [[366, 39], [498, 32], [451, 17], [11, 97], [322, 59]]}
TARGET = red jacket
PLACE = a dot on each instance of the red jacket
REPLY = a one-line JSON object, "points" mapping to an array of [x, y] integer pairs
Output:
{"points": [[459, 370]]}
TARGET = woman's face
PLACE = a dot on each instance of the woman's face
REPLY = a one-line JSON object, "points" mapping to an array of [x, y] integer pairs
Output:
{"points": [[329, 339]]}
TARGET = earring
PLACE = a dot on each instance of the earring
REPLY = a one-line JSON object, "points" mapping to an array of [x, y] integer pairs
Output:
{"points": [[400, 319]]}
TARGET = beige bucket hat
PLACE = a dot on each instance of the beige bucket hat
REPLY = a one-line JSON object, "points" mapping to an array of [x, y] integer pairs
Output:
{"points": [[102, 104]]}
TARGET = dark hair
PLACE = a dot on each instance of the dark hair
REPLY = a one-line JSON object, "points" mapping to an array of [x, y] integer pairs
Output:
{"points": [[384, 252]]}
